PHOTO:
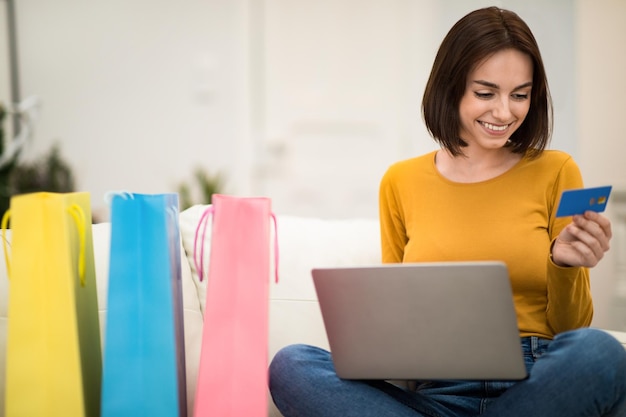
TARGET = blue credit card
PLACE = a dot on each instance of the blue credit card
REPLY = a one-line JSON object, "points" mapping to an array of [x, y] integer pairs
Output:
{"points": [[580, 200]]}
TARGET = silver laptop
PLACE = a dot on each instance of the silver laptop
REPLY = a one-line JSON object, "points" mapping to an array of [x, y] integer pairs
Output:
{"points": [[424, 321]]}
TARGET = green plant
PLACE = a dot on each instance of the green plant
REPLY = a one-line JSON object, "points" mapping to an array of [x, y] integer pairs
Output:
{"points": [[6, 167], [203, 185], [48, 173]]}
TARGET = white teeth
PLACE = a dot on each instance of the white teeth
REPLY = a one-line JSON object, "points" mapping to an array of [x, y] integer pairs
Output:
{"points": [[494, 127]]}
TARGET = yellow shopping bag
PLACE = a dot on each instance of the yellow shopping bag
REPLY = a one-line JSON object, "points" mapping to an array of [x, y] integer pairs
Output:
{"points": [[54, 359]]}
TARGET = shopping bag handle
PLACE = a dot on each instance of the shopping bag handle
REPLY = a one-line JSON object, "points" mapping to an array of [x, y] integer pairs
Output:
{"points": [[202, 224], [203, 221], [78, 215], [3, 225]]}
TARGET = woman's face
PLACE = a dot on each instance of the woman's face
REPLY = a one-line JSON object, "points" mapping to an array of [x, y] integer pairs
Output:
{"points": [[496, 99]]}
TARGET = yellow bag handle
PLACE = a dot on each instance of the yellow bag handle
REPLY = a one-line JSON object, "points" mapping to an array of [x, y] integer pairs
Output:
{"points": [[78, 215], [3, 225]]}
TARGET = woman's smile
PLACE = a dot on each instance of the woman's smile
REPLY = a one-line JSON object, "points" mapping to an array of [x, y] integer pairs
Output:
{"points": [[495, 128]]}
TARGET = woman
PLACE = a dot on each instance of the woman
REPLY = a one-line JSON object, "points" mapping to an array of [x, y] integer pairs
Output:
{"points": [[489, 193]]}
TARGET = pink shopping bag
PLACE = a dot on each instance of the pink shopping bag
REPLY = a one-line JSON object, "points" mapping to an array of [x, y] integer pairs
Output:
{"points": [[232, 377]]}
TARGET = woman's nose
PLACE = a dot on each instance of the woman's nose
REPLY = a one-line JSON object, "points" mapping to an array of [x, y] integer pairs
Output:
{"points": [[502, 110]]}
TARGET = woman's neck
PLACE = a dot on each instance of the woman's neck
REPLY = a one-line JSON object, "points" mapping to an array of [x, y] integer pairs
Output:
{"points": [[475, 166]]}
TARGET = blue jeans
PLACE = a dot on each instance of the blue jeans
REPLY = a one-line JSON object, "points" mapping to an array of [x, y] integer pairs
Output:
{"points": [[581, 373]]}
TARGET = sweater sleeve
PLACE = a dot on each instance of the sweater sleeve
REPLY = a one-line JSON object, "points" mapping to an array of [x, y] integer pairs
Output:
{"points": [[392, 231], [568, 289]]}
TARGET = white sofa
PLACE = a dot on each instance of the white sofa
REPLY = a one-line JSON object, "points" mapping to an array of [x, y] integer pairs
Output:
{"points": [[304, 243]]}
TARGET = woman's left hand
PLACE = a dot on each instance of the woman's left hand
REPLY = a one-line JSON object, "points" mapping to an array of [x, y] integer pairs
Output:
{"points": [[583, 242]]}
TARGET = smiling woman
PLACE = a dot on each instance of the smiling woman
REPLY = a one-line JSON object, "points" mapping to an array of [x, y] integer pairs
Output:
{"points": [[503, 85], [489, 193]]}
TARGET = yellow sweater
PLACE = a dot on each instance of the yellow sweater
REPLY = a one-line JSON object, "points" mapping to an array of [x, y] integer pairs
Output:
{"points": [[426, 218]]}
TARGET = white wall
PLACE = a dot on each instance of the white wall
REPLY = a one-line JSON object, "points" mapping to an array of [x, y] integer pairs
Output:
{"points": [[140, 92], [137, 92], [601, 86]]}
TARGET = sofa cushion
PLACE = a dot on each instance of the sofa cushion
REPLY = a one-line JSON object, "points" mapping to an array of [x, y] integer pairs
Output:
{"points": [[304, 243]]}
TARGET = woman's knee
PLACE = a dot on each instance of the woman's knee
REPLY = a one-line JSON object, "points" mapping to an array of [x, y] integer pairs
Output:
{"points": [[294, 360], [294, 370], [294, 355], [592, 340], [596, 350]]}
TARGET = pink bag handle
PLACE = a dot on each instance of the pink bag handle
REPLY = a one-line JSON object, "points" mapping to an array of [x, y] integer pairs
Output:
{"points": [[202, 224]]}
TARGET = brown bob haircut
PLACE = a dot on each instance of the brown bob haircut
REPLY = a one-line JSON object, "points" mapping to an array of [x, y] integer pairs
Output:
{"points": [[469, 42]]}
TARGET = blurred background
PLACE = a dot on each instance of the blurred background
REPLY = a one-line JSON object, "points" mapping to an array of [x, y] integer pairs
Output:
{"points": [[304, 101]]}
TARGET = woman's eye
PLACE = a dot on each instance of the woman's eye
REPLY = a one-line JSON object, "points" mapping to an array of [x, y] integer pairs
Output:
{"points": [[520, 97], [483, 95]]}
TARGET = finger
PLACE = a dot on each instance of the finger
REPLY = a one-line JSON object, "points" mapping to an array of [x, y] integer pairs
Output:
{"points": [[586, 240], [601, 220], [568, 250], [594, 230], [587, 257], [576, 252]]}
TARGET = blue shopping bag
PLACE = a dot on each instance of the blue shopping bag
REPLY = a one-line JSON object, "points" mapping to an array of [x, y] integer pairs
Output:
{"points": [[143, 361]]}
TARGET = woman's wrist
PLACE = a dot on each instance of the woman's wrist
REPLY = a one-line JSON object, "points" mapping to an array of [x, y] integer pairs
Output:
{"points": [[555, 261]]}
